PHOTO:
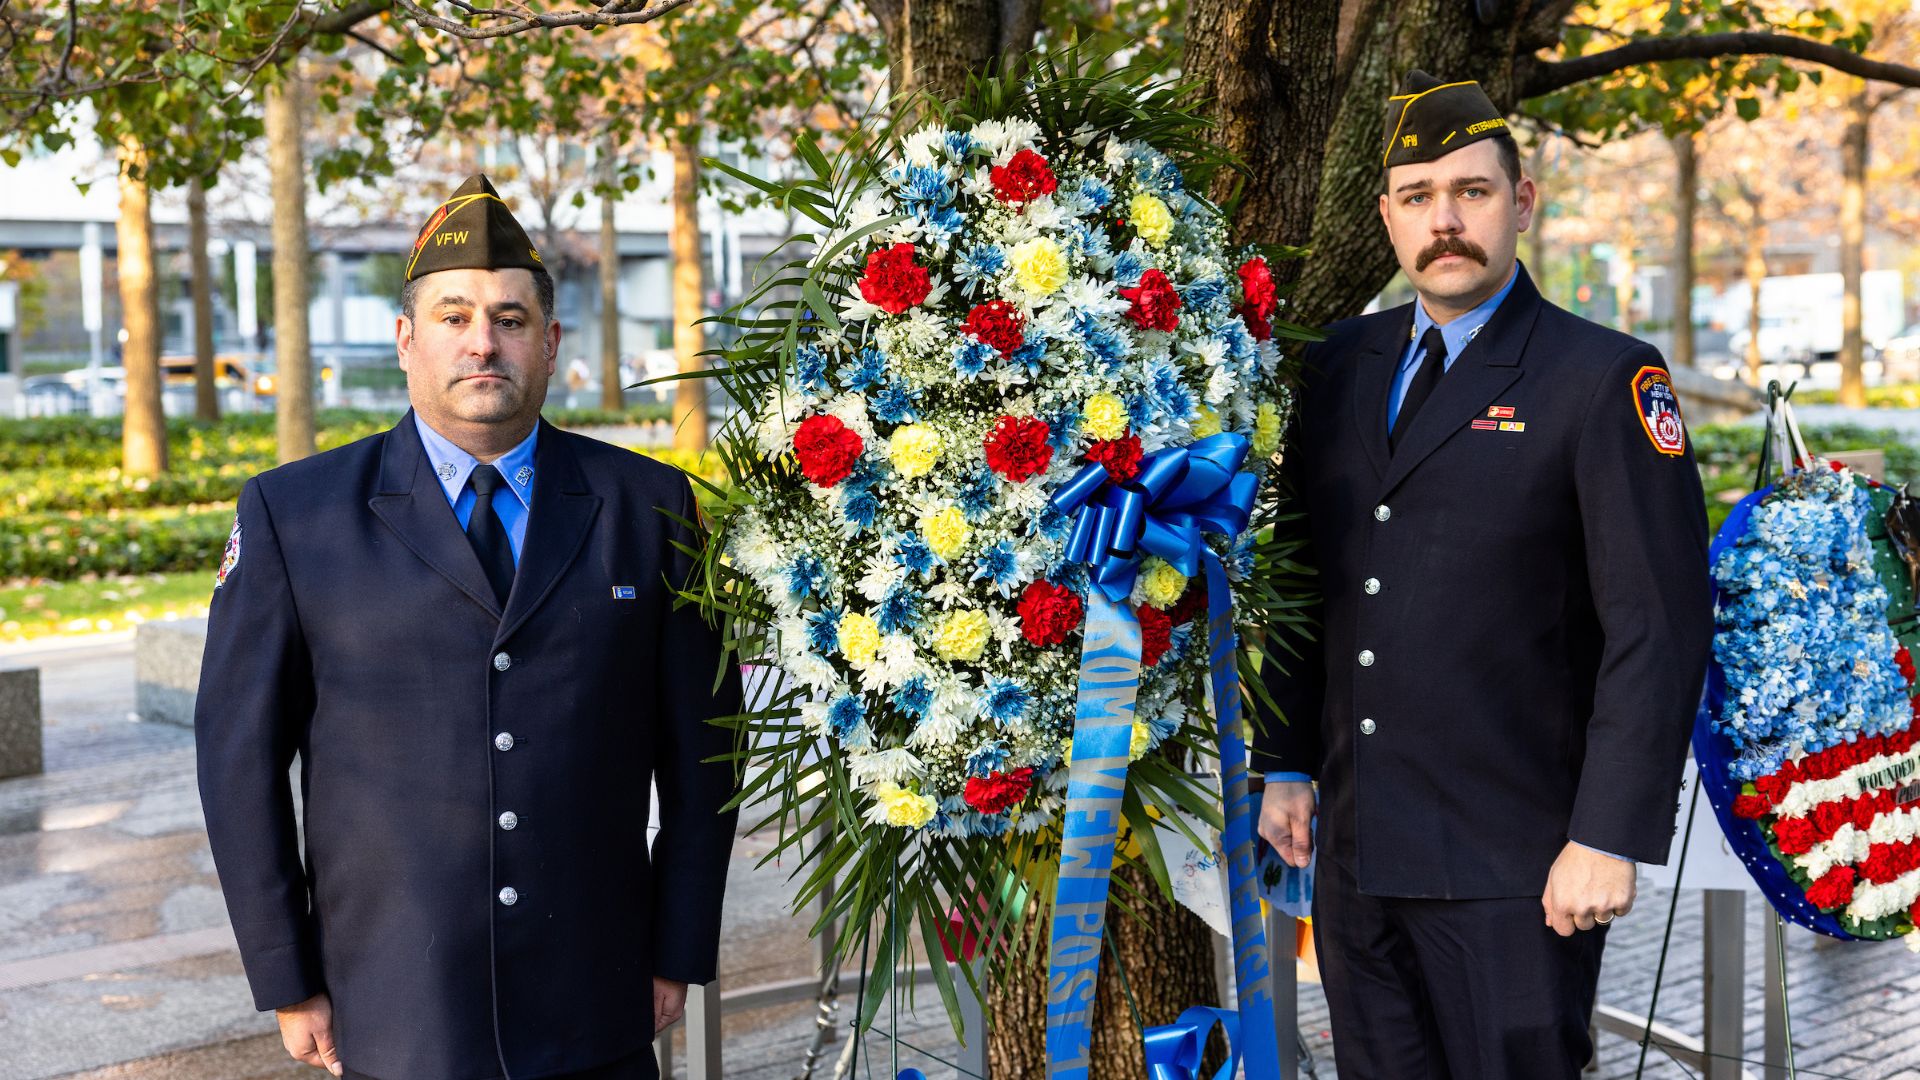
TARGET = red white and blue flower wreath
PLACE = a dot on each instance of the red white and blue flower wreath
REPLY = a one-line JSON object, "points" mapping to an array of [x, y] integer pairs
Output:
{"points": [[1805, 738]]}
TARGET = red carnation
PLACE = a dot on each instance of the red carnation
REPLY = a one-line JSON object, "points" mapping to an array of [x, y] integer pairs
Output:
{"points": [[1017, 447], [1827, 818], [1796, 836], [996, 324], [995, 792], [1156, 306], [1256, 283], [893, 283], [1833, 890], [1121, 456], [1773, 786], [1156, 633], [1048, 613], [1903, 660], [1024, 178], [1751, 807], [826, 448]]}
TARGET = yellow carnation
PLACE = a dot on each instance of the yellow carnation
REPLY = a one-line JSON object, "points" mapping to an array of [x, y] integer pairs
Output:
{"points": [[962, 635], [1105, 417], [1160, 584], [1205, 423], [1039, 266], [1150, 218], [947, 532], [859, 639], [1266, 429], [913, 449], [1137, 745], [907, 809]]}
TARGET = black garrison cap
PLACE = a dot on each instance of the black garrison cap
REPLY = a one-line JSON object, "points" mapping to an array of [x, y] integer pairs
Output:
{"points": [[472, 230], [1430, 119]]}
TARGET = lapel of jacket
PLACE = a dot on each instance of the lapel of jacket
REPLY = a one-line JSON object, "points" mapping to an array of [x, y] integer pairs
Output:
{"points": [[413, 504], [1485, 367], [563, 509], [1374, 362]]}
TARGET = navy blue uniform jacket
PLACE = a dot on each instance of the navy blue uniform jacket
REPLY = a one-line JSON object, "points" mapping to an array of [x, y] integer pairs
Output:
{"points": [[1516, 615], [357, 631]]}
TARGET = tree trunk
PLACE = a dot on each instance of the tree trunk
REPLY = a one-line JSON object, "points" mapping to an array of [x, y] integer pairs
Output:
{"points": [[293, 368], [690, 395], [1853, 240], [206, 396], [1685, 187], [936, 45], [1168, 964], [1268, 68], [612, 395], [1756, 270], [1623, 271], [143, 430], [1537, 232]]}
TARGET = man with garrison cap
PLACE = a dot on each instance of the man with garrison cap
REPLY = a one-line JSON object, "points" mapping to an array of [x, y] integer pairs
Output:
{"points": [[463, 628], [1501, 503]]}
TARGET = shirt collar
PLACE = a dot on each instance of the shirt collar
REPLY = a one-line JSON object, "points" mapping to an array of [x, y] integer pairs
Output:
{"points": [[1463, 329], [452, 465]]}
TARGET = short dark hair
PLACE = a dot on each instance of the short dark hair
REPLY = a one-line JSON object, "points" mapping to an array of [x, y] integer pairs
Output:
{"points": [[1509, 151], [542, 288]]}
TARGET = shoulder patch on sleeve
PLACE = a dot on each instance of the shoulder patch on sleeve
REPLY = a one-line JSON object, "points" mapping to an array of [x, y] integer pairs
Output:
{"points": [[1659, 409], [231, 557]]}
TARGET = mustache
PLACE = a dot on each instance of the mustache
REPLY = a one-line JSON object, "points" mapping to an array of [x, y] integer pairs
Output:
{"points": [[1450, 245]]}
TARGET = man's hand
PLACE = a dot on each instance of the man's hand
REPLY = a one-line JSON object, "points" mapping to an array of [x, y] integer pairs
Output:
{"points": [[307, 1031], [1586, 887], [669, 1002], [1286, 820]]}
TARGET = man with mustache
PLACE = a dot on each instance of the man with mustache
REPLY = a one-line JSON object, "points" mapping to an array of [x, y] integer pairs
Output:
{"points": [[1508, 529], [464, 627]]}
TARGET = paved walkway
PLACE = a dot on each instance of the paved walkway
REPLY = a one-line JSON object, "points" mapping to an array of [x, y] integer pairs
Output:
{"points": [[116, 962]]}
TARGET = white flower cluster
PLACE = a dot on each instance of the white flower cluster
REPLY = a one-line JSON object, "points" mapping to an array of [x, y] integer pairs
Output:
{"points": [[1018, 306]]}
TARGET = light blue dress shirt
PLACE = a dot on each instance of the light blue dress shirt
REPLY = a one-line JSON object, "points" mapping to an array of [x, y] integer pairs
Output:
{"points": [[1456, 335], [453, 465]]}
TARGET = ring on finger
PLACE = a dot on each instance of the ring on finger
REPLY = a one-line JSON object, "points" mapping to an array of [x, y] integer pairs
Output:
{"points": [[1607, 918]]}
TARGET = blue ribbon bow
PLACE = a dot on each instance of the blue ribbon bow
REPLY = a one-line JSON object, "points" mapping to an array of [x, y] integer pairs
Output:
{"points": [[1174, 1050], [1180, 493]]}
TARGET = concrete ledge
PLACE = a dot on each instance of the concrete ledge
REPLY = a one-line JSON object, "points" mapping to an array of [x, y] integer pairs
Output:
{"points": [[166, 670], [1707, 400], [20, 745]]}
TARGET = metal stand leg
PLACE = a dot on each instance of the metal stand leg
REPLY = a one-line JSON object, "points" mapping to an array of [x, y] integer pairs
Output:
{"points": [[703, 1032], [663, 1053], [973, 1017], [1281, 931], [1775, 1054], [1724, 982]]}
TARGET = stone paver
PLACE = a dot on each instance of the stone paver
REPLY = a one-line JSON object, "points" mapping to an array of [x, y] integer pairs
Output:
{"points": [[114, 964]]}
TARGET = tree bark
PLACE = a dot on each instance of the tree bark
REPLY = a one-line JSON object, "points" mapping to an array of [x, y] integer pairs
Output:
{"points": [[293, 368], [143, 430], [1268, 67], [612, 394], [1624, 269], [935, 45], [1686, 204], [206, 395], [1853, 239], [690, 395], [1168, 965], [1756, 272]]}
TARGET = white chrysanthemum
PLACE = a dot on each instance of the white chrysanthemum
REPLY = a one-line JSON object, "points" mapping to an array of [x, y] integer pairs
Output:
{"points": [[923, 147], [882, 574], [896, 765], [1094, 297], [779, 414], [897, 661], [851, 409], [812, 670], [1116, 154], [754, 550], [1220, 387]]}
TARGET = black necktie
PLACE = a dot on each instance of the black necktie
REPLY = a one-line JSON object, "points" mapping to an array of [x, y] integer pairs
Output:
{"points": [[487, 535], [1425, 378]]}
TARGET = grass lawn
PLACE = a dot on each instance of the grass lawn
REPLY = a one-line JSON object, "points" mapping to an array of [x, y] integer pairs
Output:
{"points": [[45, 608]]}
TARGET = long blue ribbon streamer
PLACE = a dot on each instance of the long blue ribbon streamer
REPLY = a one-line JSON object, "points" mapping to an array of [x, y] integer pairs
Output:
{"points": [[1179, 494]]}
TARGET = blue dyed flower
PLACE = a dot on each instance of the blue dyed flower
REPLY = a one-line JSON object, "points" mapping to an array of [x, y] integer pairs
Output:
{"points": [[925, 186], [943, 225], [977, 266], [1006, 701], [899, 610], [999, 565], [1096, 193], [960, 143], [913, 553], [823, 630], [976, 495], [1029, 355], [971, 357], [988, 757], [1202, 293], [867, 369], [846, 714], [806, 576], [810, 368], [914, 698], [1127, 268], [895, 404]]}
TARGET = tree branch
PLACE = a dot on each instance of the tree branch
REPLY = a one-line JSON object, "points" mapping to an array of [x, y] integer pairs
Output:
{"points": [[610, 13], [1545, 78]]}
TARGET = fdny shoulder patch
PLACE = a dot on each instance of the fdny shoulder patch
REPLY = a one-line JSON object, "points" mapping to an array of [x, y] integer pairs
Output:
{"points": [[231, 557], [1659, 410]]}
